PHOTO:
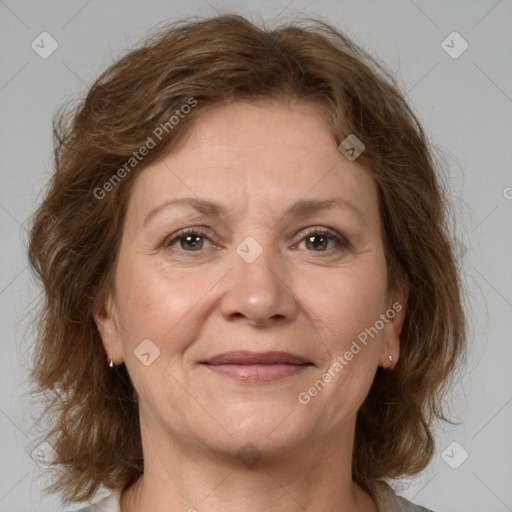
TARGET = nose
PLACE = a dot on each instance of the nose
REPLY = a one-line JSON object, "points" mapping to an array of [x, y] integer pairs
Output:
{"points": [[260, 292]]}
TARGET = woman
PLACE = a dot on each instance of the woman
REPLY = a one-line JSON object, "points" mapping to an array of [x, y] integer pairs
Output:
{"points": [[251, 299]]}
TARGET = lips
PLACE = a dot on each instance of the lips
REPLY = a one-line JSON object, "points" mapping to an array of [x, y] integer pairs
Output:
{"points": [[257, 367], [256, 358]]}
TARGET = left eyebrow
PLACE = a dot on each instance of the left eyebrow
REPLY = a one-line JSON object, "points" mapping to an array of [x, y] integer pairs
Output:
{"points": [[307, 206]]}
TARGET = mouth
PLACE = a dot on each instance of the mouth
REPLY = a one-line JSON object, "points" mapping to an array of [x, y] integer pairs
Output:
{"points": [[255, 367]]}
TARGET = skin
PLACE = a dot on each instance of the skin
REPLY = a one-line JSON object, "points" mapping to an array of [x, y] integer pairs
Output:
{"points": [[256, 160]]}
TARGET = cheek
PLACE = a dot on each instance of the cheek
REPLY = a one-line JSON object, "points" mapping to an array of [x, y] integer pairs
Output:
{"points": [[350, 302], [152, 304], [347, 310]]}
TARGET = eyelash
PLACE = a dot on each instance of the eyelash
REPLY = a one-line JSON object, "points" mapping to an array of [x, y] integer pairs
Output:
{"points": [[340, 240]]}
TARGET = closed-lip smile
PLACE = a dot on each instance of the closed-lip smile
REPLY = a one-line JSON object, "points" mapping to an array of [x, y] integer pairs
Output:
{"points": [[257, 366]]}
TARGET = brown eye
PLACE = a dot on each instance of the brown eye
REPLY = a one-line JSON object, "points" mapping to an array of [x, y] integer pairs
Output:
{"points": [[195, 242], [188, 240], [318, 240]]}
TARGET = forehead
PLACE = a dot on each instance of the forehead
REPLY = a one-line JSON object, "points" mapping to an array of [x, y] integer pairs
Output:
{"points": [[270, 126], [266, 153]]}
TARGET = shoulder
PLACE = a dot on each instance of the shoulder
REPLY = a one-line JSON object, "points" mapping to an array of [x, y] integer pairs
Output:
{"points": [[388, 501], [109, 503]]}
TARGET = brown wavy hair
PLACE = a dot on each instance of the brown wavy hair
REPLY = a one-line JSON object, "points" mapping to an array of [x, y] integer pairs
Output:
{"points": [[75, 232]]}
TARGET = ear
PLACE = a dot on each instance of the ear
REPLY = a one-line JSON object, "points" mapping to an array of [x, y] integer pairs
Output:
{"points": [[105, 317], [394, 318]]}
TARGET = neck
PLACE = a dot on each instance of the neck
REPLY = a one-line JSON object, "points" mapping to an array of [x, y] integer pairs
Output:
{"points": [[314, 476]]}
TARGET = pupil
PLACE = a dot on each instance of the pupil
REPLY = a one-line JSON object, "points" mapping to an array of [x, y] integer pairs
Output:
{"points": [[311, 238], [193, 241]]}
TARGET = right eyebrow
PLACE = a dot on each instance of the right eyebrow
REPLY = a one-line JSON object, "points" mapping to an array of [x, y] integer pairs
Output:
{"points": [[203, 206]]}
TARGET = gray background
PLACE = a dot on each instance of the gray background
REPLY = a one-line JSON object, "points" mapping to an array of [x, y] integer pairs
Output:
{"points": [[465, 105]]}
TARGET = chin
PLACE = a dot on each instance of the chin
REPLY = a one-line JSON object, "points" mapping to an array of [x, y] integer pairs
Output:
{"points": [[258, 434]]}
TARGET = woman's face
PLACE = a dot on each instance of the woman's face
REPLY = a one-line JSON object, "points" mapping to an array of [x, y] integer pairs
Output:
{"points": [[260, 270]]}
